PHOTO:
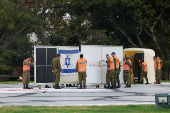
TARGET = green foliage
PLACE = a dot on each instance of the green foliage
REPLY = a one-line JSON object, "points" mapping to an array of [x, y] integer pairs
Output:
{"points": [[85, 109]]}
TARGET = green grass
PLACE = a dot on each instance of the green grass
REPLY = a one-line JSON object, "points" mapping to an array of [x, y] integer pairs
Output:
{"points": [[14, 82], [165, 80], [85, 109]]}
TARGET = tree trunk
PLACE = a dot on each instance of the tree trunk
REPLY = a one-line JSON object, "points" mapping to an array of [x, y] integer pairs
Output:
{"points": [[5, 45], [129, 39]]}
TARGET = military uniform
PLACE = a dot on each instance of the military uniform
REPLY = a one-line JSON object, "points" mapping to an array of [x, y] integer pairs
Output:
{"points": [[110, 72], [81, 71], [117, 72], [124, 78], [56, 67], [127, 70], [26, 73], [158, 72], [144, 72]]}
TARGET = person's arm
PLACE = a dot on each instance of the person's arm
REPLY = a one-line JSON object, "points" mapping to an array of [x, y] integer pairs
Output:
{"points": [[115, 62], [30, 64], [108, 63], [157, 63], [52, 65], [119, 66], [77, 67], [59, 65], [142, 68]]}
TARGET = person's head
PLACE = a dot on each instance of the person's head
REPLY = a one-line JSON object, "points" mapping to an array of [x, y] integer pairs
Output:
{"points": [[81, 55], [158, 57], [135, 58], [127, 56], [123, 59], [58, 55], [154, 57], [142, 60], [113, 54], [29, 58], [107, 56]]}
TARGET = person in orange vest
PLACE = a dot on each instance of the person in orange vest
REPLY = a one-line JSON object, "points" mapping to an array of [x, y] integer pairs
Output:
{"points": [[26, 72], [159, 69], [127, 71], [110, 71], [81, 69], [124, 78], [117, 70], [144, 72], [155, 67]]}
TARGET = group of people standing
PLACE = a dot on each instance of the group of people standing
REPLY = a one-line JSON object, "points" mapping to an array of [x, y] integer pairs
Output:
{"points": [[112, 75]]}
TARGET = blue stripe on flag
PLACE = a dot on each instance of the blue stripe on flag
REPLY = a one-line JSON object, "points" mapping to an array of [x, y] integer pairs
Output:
{"points": [[68, 70], [68, 51]]}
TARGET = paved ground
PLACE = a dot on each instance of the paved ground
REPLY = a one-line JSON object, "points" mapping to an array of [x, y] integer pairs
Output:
{"points": [[13, 94]]}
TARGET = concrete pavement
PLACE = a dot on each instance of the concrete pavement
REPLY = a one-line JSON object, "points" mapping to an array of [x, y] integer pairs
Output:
{"points": [[13, 94]]}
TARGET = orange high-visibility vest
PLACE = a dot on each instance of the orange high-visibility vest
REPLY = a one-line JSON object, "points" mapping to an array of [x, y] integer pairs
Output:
{"points": [[112, 65], [159, 61], [126, 66], [117, 62], [82, 65], [145, 67], [26, 67], [123, 65], [155, 65]]}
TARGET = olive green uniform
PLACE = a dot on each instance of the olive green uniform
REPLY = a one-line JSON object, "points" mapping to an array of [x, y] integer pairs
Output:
{"points": [[56, 66], [82, 75], [158, 71], [109, 74], [128, 73], [116, 73], [143, 74], [26, 74], [124, 78]]}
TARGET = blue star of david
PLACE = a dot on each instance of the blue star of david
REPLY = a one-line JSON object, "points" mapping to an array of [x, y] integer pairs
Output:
{"points": [[67, 61]]}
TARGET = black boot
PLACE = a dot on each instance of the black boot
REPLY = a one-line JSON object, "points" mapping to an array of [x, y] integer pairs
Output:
{"points": [[128, 86], [108, 87], [80, 87], [46, 86], [147, 82], [24, 87], [114, 85], [57, 87], [118, 85], [27, 87], [84, 86]]}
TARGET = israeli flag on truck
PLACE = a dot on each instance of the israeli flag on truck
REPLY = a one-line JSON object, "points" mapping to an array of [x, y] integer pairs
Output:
{"points": [[68, 60]]}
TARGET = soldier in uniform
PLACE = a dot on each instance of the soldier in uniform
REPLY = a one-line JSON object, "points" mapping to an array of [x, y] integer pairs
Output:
{"points": [[124, 78], [81, 69], [117, 70], [56, 68], [110, 71], [127, 70], [26, 72], [144, 72], [159, 69]]}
